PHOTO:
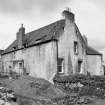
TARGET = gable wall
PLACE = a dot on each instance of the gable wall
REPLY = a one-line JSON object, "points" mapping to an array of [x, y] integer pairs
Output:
{"points": [[66, 49]]}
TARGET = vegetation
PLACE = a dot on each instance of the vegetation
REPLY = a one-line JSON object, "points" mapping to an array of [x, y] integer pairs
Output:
{"points": [[84, 85]]}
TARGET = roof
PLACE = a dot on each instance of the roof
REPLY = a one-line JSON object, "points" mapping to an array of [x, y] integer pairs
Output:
{"points": [[80, 36], [1, 51], [41, 35], [92, 51]]}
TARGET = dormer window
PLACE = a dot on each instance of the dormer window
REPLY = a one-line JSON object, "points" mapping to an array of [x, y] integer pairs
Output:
{"points": [[76, 49], [14, 48], [38, 40], [25, 45]]}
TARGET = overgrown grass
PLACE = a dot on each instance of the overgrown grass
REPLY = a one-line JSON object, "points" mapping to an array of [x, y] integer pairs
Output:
{"points": [[81, 84]]}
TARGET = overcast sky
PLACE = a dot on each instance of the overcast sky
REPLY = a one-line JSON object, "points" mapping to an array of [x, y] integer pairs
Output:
{"points": [[89, 14]]}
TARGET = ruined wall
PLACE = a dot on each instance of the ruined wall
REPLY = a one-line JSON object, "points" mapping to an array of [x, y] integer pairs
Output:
{"points": [[66, 49], [94, 65], [39, 61]]}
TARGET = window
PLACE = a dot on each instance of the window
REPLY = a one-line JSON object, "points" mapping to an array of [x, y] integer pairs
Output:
{"points": [[20, 65], [79, 66], [14, 48], [75, 47], [60, 65], [25, 45]]}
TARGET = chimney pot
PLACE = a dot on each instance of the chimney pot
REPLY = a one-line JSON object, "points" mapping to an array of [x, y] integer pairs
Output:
{"points": [[21, 25], [68, 15]]}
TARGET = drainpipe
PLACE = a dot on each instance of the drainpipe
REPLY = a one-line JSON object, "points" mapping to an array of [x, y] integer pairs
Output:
{"points": [[57, 55]]}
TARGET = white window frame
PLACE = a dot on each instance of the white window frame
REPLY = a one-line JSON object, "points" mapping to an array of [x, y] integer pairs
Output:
{"points": [[76, 47], [62, 65]]}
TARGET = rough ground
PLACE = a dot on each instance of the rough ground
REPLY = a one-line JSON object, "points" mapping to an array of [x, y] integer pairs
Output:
{"points": [[34, 87], [41, 89]]}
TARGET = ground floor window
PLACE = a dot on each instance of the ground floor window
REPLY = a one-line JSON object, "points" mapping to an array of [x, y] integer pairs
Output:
{"points": [[60, 65], [20, 65], [79, 66]]}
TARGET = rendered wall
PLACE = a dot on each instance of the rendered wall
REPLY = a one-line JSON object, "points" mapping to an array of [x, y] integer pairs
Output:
{"points": [[39, 61], [94, 65], [66, 49]]}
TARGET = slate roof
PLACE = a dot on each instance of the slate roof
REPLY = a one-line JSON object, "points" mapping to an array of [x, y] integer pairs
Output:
{"points": [[41, 35], [1, 51], [47, 33], [92, 51]]}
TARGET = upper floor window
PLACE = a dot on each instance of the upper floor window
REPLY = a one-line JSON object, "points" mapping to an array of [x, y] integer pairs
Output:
{"points": [[76, 50], [60, 65]]}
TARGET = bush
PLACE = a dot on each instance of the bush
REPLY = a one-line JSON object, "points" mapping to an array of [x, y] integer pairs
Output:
{"points": [[90, 85], [87, 91]]}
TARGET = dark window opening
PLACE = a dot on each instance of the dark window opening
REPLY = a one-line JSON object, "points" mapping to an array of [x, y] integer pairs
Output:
{"points": [[20, 65], [60, 65], [79, 66], [76, 50], [14, 48], [25, 45]]}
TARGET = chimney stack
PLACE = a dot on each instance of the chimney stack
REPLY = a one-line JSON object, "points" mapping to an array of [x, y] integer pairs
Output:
{"points": [[21, 36], [68, 15]]}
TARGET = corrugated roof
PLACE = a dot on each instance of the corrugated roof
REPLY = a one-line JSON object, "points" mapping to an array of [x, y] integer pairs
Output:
{"points": [[43, 34], [92, 51]]}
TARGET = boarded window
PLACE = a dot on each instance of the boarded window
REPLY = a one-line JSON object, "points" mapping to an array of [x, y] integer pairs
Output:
{"points": [[60, 65], [76, 50]]}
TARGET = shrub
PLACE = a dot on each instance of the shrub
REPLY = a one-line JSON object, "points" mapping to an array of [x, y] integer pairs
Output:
{"points": [[90, 85], [87, 91]]}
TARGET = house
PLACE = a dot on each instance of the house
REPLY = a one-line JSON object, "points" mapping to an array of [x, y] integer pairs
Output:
{"points": [[94, 61], [58, 48], [1, 67]]}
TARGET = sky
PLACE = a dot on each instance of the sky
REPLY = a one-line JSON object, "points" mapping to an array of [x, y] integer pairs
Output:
{"points": [[89, 16]]}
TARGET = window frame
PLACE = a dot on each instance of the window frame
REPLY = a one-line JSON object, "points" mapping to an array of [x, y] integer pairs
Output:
{"points": [[60, 65], [21, 65], [76, 48]]}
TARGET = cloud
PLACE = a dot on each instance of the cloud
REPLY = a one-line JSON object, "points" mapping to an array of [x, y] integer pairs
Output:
{"points": [[16, 6], [27, 6], [90, 20], [33, 13], [36, 13]]}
